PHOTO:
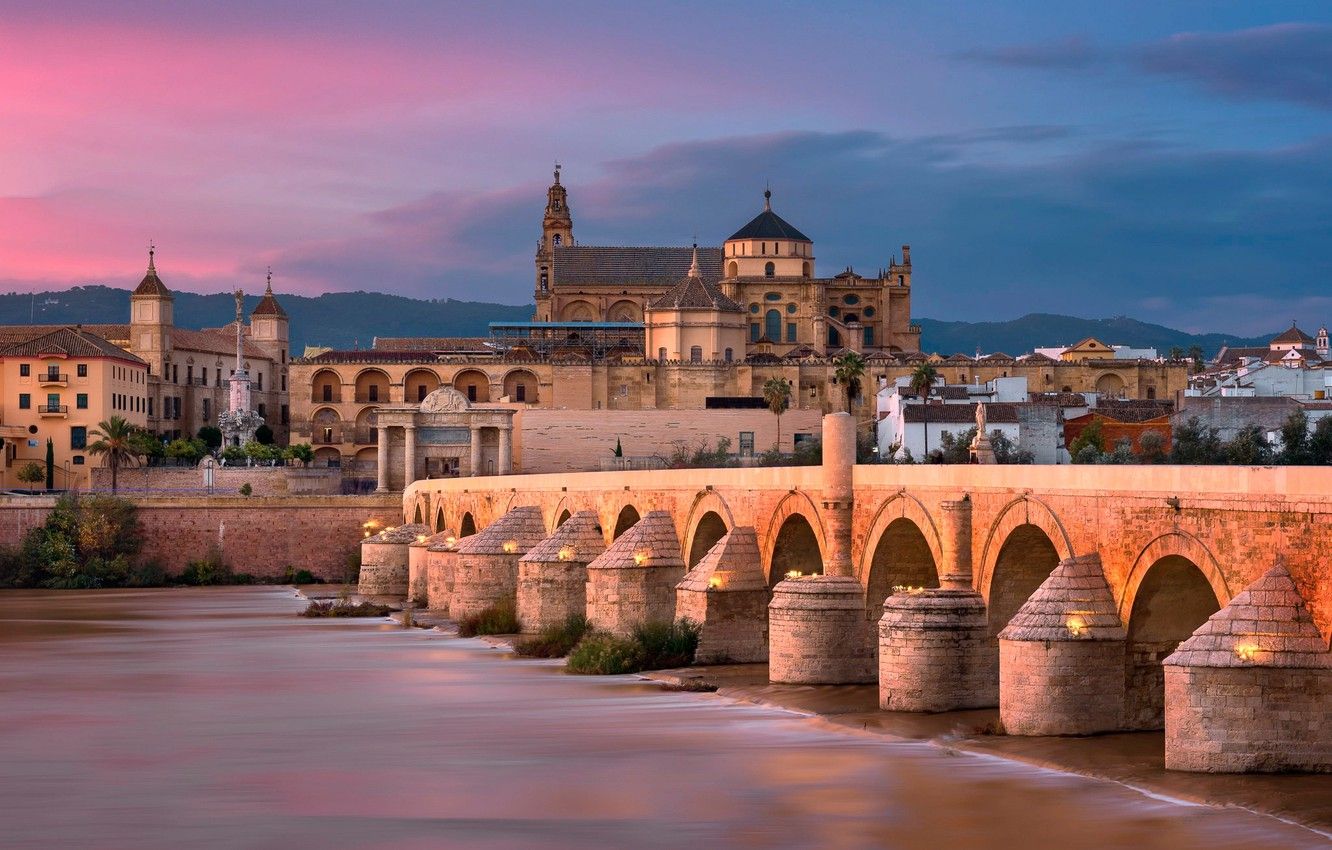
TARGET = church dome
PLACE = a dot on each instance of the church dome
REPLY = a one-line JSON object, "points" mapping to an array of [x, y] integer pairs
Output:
{"points": [[769, 225]]}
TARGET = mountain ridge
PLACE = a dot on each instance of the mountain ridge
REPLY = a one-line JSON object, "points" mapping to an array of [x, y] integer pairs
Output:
{"points": [[354, 319]]}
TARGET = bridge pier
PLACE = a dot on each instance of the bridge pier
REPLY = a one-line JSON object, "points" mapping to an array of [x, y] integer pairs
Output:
{"points": [[552, 578], [486, 571], [934, 648], [633, 582], [385, 562], [417, 558], [817, 630], [441, 558], [726, 594], [1251, 690], [1061, 657]]}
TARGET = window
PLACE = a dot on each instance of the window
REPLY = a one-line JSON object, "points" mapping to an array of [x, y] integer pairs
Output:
{"points": [[420, 392], [78, 437], [729, 355], [834, 338], [834, 311], [52, 373], [555, 240], [791, 308], [868, 312], [25, 370], [81, 370], [901, 280], [328, 392], [175, 374], [765, 247], [753, 332], [753, 308], [175, 405], [284, 382], [696, 354], [661, 353], [471, 392], [772, 325], [261, 381], [850, 317], [81, 401], [790, 331], [519, 392], [869, 334], [53, 401], [150, 407], [283, 355], [769, 270], [328, 434], [746, 443], [207, 409], [78, 460], [851, 299], [286, 415], [772, 296], [374, 392], [189, 374], [1151, 392], [263, 412]]}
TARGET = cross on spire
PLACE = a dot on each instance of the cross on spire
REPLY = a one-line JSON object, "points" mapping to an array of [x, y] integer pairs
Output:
{"points": [[268, 290], [152, 248], [557, 172]]}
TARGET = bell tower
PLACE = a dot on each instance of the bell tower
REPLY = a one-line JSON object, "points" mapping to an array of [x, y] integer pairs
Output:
{"points": [[151, 320], [556, 231]]}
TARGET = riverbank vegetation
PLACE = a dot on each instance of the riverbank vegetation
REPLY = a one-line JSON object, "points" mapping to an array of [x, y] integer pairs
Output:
{"points": [[651, 646], [556, 640], [345, 608], [499, 619]]}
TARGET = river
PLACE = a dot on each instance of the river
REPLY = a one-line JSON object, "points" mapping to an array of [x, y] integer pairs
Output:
{"points": [[217, 718]]}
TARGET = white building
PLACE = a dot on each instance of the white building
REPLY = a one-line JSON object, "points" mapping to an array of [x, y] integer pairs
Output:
{"points": [[1292, 365]]}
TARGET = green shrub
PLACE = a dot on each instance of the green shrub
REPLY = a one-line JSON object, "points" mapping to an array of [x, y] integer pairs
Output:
{"points": [[305, 577], [210, 570], [555, 641], [246, 489], [147, 574], [345, 608], [602, 654], [499, 619], [89, 541]]}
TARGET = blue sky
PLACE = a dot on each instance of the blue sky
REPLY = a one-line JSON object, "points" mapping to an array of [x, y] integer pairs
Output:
{"points": [[1164, 161]]}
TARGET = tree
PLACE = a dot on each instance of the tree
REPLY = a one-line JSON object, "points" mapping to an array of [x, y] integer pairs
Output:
{"points": [[1295, 449], [922, 384], [1195, 442], [263, 434], [1152, 447], [1091, 437], [191, 450], [1320, 444], [302, 452], [31, 473], [1196, 355], [1176, 353], [1249, 448], [50, 465], [212, 437], [120, 443], [848, 369], [777, 394]]}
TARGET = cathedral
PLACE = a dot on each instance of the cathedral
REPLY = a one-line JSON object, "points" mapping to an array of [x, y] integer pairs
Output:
{"points": [[757, 294]]}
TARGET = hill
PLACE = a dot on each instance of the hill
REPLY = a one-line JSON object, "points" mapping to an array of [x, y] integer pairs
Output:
{"points": [[354, 319]]}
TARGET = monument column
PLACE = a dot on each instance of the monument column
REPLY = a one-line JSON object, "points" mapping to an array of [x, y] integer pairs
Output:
{"points": [[409, 455], [476, 449], [506, 450], [383, 460], [955, 544]]}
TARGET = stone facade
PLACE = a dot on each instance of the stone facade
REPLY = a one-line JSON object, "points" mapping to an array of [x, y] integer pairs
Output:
{"points": [[818, 634], [633, 582], [226, 480], [486, 569], [1061, 658], [552, 577], [441, 564], [935, 652], [726, 594]]}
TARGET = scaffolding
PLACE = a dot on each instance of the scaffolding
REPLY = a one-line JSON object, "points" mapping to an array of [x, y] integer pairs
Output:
{"points": [[548, 339]]}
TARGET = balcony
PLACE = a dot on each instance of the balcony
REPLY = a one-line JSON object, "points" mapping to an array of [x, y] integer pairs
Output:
{"points": [[53, 410], [53, 379]]}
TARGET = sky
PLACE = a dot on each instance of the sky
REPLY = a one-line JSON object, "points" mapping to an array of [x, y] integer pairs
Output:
{"points": [[1166, 161]]}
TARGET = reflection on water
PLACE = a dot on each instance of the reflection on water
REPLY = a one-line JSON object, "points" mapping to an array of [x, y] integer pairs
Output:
{"points": [[216, 718]]}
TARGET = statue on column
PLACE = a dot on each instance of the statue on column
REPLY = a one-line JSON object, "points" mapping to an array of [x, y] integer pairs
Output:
{"points": [[981, 450], [238, 422]]}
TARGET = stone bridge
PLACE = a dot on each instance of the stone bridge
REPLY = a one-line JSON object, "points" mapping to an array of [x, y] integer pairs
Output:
{"points": [[1175, 543]]}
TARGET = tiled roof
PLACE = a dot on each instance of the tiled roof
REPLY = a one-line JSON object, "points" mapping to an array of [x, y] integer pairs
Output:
{"points": [[268, 305], [12, 334], [1266, 625], [1133, 409], [1232, 354], [1073, 604], [1037, 357], [522, 525], [444, 541], [999, 412], [733, 560], [694, 293], [68, 342], [399, 534], [1293, 334], [589, 265], [439, 344], [151, 283], [1060, 399], [215, 341], [580, 537], [650, 542]]}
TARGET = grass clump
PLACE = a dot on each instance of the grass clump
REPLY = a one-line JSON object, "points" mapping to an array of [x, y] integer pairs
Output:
{"points": [[652, 646], [555, 641], [344, 608], [499, 619]]}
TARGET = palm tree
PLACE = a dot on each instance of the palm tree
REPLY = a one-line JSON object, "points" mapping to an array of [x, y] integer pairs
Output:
{"points": [[777, 393], [848, 370], [922, 383], [120, 442]]}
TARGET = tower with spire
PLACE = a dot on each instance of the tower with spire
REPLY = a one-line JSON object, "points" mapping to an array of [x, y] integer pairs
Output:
{"points": [[556, 231], [270, 328], [151, 319]]}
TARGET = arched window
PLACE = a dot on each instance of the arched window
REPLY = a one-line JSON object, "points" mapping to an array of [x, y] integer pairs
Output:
{"points": [[769, 269], [772, 325], [661, 354], [804, 269], [696, 354], [733, 269], [834, 338], [555, 240], [730, 355], [765, 247]]}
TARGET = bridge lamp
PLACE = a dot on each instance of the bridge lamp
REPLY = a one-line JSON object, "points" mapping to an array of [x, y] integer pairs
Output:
{"points": [[420, 538], [510, 546], [1077, 626], [1246, 650], [566, 553], [641, 557], [715, 581], [794, 574], [450, 541]]}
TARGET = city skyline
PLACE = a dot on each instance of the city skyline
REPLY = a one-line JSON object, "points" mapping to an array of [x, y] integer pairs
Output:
{"points": [[1164, 164]]}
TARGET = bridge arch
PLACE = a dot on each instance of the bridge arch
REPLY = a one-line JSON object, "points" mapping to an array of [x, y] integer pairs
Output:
{"points": [[710, 518], [566, 507], [902, 548], [795, 538], [438, 524], [1174, 586], [622, 520], [466, 524], [1023, 546]]}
